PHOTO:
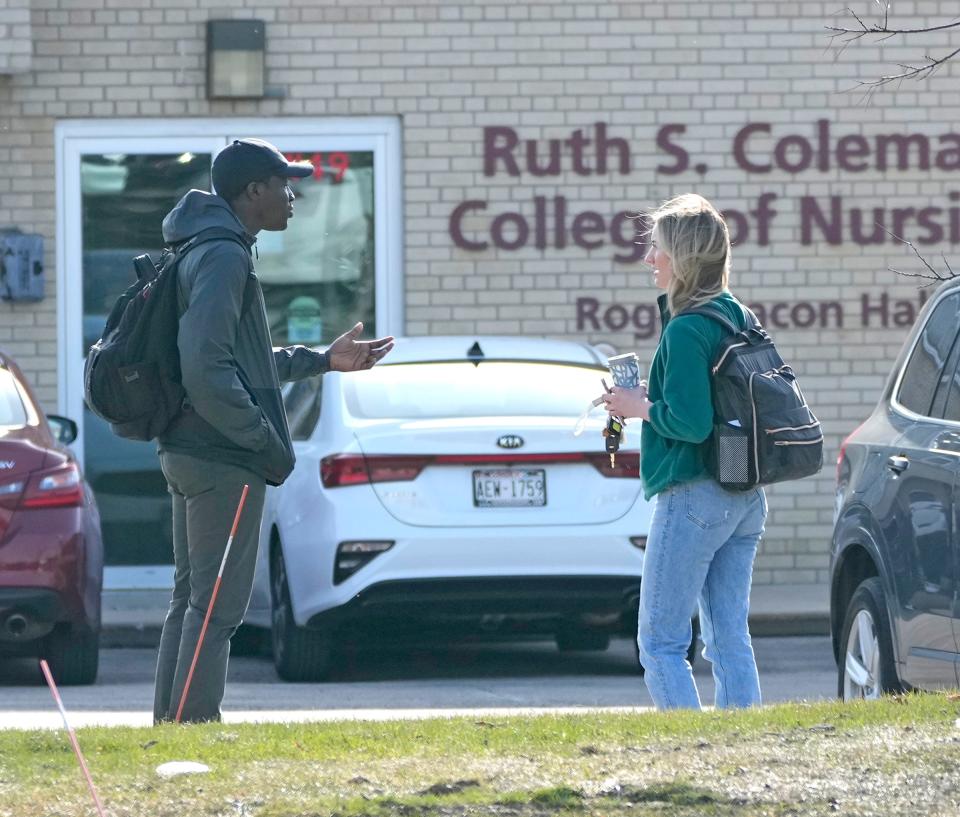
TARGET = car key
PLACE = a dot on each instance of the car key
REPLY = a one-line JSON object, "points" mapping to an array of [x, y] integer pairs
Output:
{"points": [[612, 437], [612, 433]]}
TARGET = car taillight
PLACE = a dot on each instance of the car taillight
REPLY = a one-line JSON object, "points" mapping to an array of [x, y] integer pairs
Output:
{"points": [[355, 469], [338, 470], [54, 488], [626, 464]]}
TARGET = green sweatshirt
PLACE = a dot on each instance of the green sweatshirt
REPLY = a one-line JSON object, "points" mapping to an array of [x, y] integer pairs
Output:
{"points": [[672, 442]]}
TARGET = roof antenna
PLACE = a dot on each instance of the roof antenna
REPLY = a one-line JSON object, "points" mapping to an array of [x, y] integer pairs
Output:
{"points": [[475, 353]]}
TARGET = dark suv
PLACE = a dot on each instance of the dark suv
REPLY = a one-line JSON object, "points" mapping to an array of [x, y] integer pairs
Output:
{"points": [[895, 557]]}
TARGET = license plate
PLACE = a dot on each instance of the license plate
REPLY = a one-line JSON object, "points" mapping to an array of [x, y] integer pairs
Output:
{"points": [[510, 488]]}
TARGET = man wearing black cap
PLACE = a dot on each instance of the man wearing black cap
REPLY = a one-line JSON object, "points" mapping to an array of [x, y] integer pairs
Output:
{"points": [[232, 430]]}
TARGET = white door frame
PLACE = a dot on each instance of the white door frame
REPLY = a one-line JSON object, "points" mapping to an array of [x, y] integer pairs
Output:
{"points": [[74, 138]]}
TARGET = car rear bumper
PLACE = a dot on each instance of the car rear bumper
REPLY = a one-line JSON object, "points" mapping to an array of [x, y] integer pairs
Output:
{"points": [[28, 613], [60, 553], [534, 604]]}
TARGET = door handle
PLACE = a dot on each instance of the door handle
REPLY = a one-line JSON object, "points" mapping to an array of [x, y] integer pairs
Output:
{"points": [[897, 463]]}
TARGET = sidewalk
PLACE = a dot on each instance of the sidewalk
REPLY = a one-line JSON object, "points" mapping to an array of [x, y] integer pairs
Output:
{"points": [[132, 618], [790, 609]]}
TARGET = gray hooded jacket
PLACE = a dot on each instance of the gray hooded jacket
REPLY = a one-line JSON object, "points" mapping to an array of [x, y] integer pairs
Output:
{"points": [[233, 412]]}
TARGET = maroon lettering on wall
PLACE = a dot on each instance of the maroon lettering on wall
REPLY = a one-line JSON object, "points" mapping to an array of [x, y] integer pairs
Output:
{"points": [[552, 167], [577, 142], [498, 143], [556, 222], [509, 222], [587, 311], [737, 226], [545, 157], [740, 147], [679, 154], [793, 153], [812, 216], [881, 310], [630, 232], [949, 157], [877, 310], [849, 148], [763, 215], [584, 224], [604, 144], [456, 228], [903, 145]]}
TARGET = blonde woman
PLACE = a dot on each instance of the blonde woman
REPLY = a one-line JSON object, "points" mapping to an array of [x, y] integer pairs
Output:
{"points": [[703, 539]]}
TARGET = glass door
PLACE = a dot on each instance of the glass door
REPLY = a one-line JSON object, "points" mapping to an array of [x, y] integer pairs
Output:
{"points": [[337, 263]]}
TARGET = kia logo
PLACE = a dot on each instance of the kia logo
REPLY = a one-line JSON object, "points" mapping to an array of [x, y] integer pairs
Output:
{"points": [[510, 441]]}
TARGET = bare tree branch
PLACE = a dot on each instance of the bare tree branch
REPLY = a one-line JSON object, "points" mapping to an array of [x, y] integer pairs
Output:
{"points": [[882, 31], [935, 277], [885, 29]]}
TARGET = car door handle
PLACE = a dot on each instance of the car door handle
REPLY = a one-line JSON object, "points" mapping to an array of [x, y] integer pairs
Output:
{"points": [[897, 464]]}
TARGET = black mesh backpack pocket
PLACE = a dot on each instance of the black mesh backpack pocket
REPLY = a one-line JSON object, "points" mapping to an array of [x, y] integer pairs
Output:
{"points": [[730, 456]]}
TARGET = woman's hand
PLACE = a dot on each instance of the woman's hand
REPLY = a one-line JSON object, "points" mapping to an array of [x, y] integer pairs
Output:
{"points": [[627, 403]]}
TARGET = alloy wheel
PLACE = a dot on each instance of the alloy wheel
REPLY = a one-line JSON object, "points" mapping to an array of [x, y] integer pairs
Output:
{"points": [[861, 677]]}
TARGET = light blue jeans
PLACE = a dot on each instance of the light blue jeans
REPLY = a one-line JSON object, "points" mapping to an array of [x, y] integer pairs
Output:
{"points": [[701, 548]]}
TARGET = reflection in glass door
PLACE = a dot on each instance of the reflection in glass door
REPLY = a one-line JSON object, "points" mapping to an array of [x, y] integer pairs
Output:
{"points": [[124, 198], [318, 274]]}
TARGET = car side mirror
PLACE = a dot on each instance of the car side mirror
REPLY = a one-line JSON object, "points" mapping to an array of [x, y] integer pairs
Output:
{"points": [[64, 429]]}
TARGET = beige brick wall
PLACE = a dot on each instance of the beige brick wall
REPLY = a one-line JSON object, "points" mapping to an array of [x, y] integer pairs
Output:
{"points": [[16, 36], [544, 69]]}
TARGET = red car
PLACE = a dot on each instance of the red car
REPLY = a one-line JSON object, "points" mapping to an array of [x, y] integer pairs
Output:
{"points": [[51, 552]]}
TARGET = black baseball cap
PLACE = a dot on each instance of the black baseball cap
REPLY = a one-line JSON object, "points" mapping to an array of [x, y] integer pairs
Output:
{"points": [[252, 160]]}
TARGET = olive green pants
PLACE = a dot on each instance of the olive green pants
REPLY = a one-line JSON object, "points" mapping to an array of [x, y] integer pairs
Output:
{"points": [[205, 498]]}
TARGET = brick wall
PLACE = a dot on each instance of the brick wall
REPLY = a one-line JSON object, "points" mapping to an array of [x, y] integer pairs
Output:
{"points": [[15, 36], [544, 70]]}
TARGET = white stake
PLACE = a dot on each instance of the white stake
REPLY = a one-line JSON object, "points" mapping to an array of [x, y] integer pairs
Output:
{"points": [[73, 738]]}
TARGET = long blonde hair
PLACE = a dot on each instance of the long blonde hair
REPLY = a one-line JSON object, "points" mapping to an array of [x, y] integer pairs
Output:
{"points": [[692, 232]]}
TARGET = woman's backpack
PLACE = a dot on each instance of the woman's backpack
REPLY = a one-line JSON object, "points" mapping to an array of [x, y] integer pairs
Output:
{"points": [[763, 429], [131, 376]]}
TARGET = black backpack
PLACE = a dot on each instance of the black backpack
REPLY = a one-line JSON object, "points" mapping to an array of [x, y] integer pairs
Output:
{"points": [[763, 430], [131, 377]]}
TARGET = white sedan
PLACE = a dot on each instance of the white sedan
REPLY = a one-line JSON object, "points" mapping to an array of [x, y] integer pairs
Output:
{"points": [[445, 492]]}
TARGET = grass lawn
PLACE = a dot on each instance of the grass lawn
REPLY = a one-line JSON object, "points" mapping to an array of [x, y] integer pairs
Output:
{"points": [[900, 756]]}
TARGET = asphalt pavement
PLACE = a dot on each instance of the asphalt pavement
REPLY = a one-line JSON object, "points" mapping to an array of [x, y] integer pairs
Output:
{"points": [[398, 682]]}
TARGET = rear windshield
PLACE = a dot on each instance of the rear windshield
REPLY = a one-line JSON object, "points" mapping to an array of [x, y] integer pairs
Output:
{"points": [[491, 389], [12, 412]]}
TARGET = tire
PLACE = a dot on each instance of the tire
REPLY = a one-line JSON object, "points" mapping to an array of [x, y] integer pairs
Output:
{"points": [[299, 654], [74, 657], [250, 640], [581, 639], [692, 650], [866, 669]]}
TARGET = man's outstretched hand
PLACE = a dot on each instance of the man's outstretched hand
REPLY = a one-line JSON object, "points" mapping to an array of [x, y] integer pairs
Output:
{"points": [[347, 354]]}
